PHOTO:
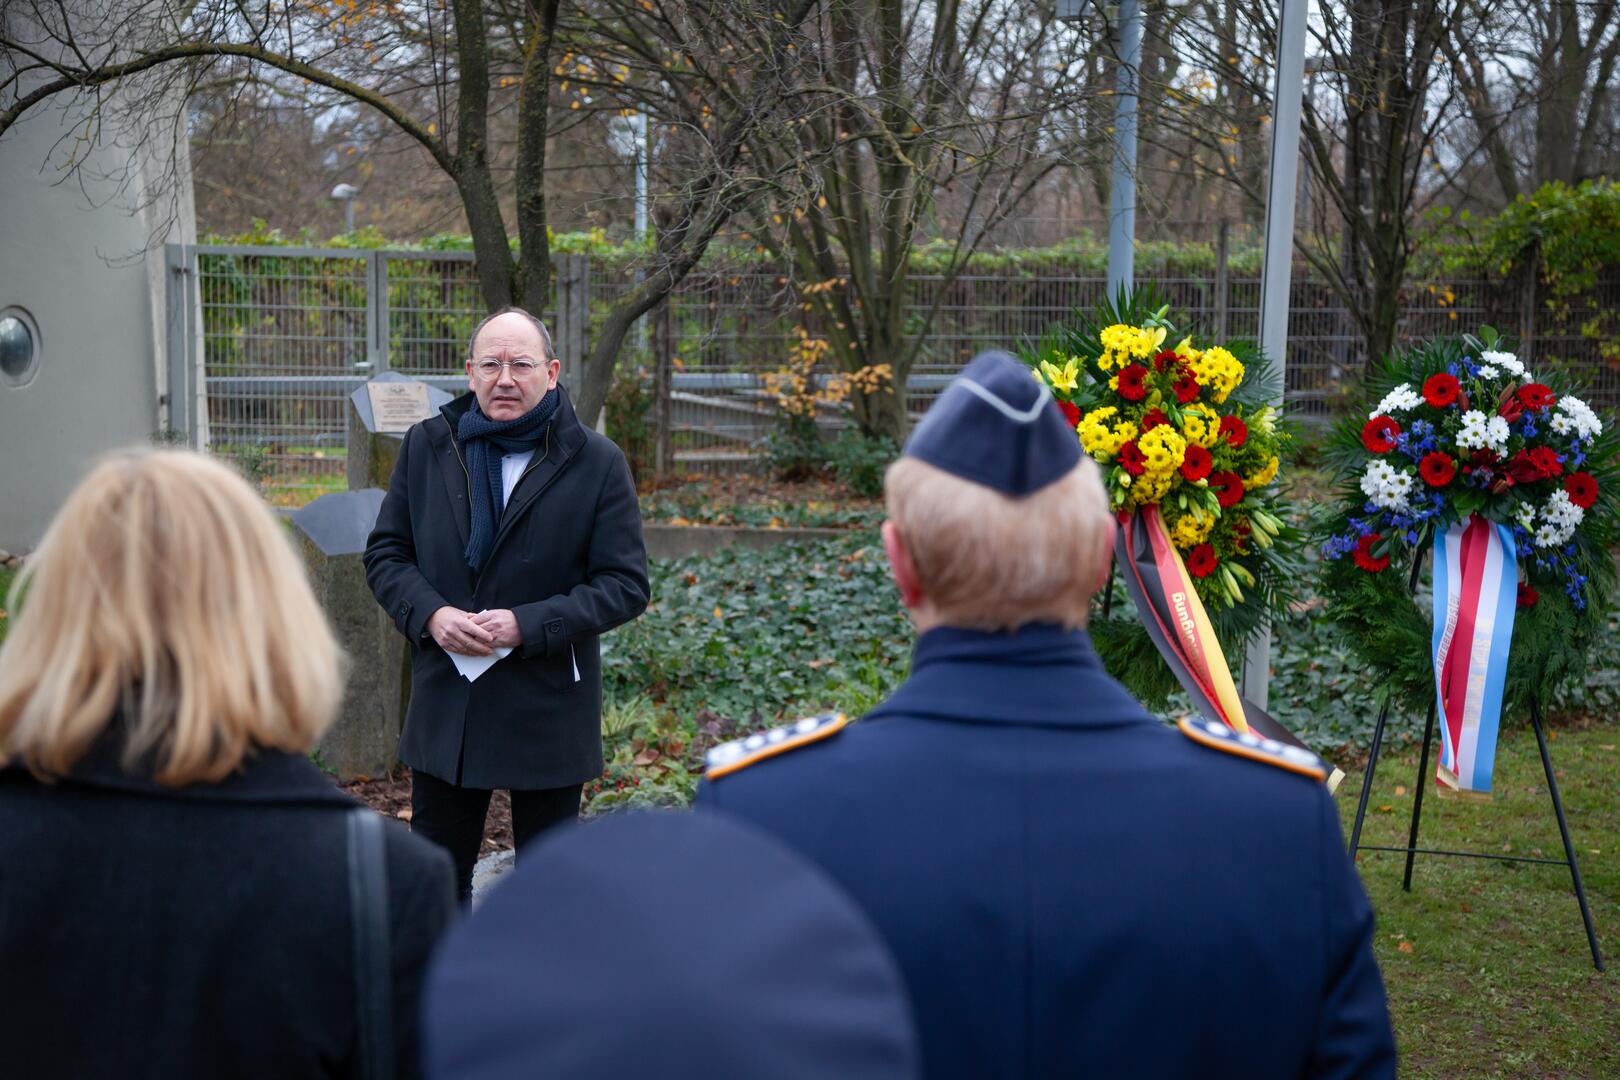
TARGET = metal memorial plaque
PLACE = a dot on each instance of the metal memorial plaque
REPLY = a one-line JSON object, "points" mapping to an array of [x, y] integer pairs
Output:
{"points": [[395, 406]]}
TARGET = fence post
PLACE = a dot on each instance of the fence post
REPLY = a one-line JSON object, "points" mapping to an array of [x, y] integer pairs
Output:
{"points": [[1527, 305], [1222, 249], [181, 399], [572, 275], [663, 343], [376, 313]]}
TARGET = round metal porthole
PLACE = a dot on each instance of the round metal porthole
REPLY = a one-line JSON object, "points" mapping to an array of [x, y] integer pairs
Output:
{"points": [[19, 346]]}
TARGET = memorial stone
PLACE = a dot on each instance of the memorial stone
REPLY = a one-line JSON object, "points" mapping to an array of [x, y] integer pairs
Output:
{"points": [[332, 533], [380, 412]]}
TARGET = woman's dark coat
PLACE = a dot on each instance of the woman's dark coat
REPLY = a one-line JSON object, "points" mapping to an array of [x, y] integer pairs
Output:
{"points": [[570, 563], [201, 931]]}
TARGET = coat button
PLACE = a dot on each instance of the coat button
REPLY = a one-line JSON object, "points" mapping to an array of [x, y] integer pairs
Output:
{"points": [[554, 626]]}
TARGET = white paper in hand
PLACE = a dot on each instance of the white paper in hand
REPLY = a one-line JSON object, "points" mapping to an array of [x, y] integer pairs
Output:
{"points": [[473, 666]]}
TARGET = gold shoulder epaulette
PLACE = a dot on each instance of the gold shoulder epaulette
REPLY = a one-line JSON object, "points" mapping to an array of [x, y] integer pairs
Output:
{"points": [[741, 753], [1218, 736]]}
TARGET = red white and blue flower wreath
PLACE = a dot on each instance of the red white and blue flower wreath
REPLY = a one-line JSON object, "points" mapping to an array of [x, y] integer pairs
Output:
{"points": [[1506, 484]]}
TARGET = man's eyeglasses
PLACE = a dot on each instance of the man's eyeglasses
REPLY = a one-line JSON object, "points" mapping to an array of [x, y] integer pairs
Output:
{"points": [[489, 370]]}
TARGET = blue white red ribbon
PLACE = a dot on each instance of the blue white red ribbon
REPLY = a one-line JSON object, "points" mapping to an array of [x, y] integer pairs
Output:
{"points": [[1476, 582]]}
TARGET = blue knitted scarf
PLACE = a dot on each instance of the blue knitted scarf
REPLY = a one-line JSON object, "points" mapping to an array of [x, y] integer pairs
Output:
{"points": [[485, 441]]}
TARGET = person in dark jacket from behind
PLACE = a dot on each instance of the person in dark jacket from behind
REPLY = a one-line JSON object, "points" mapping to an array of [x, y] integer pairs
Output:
{"points": [[669, 945], [174, 890]]}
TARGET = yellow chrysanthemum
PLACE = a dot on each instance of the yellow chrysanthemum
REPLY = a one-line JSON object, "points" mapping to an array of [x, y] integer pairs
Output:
{"points": [[1218, 371], [1122, 343], [1190, 531], [1163, 448], [1150, 488], [1266, 475], [1201, 425]]}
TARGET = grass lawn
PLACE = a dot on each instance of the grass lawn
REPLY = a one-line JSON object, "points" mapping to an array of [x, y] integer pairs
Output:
{"points": [[1486, 962]]}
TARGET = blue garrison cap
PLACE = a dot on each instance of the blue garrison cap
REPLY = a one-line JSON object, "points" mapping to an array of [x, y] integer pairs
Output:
{"points": [[669, 945], [998, 426]]}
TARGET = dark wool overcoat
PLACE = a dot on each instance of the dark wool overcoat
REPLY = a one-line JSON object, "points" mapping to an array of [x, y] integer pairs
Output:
{"points": [[569, 561], [155, 932]]}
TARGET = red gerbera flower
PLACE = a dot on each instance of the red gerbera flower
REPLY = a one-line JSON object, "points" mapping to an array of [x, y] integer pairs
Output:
{"points": [[1545, 459], [1071, 412], [1441, 390], [1201, 560], [1132, 382], [1185, 387], [1131, 458], [1228, 488], [1152, 419], [1527, 595], [1582, 488], [1379, 434], [1510, 408], [1437, 469], [1537, 396], [1196, 463], [1364, 556], [1165, 358], [1234, 430]]}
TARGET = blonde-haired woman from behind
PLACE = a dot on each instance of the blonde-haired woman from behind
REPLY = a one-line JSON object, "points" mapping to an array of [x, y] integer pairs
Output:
{"points": [[176, 895]]}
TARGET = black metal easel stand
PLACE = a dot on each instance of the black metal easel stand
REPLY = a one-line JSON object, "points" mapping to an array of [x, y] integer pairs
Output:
{"points": [[1412, 850]]}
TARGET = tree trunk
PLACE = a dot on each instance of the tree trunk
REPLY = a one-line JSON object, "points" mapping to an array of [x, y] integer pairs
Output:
{"points": [[534, 244]]}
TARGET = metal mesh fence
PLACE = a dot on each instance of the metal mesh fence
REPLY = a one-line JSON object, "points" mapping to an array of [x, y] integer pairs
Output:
{"points": [[283, 333], [289, 333]]}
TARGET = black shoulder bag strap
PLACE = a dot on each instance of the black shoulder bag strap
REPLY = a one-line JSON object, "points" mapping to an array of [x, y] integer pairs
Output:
{"points": [[373, 959]]}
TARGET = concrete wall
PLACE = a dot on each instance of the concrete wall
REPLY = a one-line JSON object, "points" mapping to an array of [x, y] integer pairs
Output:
{"points": [[82, 254]]}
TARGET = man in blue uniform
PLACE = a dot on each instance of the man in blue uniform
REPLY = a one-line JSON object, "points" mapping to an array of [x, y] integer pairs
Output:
{"points": [[1071, 887]]}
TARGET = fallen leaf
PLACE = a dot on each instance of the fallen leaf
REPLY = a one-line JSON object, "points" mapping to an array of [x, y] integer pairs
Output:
{"points": [[718, 613], [1385, 809], [1400, 789], [1601, 746], [646, 757], [1405, 946], [816, 665]]}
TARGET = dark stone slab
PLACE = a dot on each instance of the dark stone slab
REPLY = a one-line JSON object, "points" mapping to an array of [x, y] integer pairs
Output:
{"points": [[338, 524]]}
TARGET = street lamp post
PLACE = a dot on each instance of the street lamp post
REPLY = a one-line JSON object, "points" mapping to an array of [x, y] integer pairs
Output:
{"points": [[346, 194]]}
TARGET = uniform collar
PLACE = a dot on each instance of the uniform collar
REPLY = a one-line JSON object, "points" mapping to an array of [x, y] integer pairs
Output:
{"points": [[1033, 644], [267, 776], [1038, 675]]}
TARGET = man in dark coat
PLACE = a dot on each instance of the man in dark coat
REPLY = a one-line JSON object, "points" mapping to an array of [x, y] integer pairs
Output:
{"points": [[1071, 887], [508, 542]]}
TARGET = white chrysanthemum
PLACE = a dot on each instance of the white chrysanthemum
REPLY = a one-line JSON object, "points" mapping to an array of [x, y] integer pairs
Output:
{"points": [[1386, 486], [1504, 360], [1559, 519], [1525, 515], [1561, 509], [1487, 372], [1400, 399], [1480, 432], [1572, 416]]}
